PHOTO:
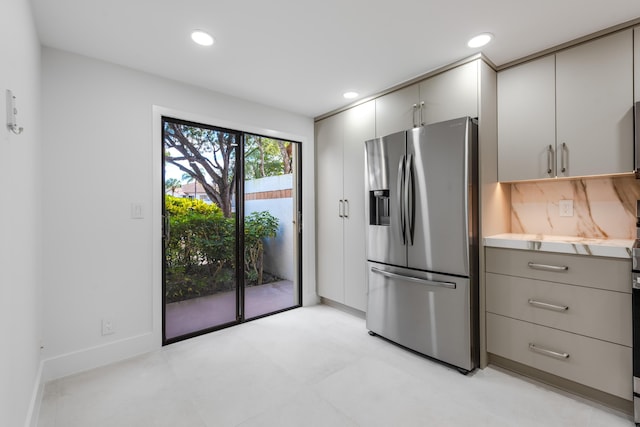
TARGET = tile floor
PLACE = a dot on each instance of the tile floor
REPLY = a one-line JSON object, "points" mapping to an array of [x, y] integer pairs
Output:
{"points": [[312, 366]]}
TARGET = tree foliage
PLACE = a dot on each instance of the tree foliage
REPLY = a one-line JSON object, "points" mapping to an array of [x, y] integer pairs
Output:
{"points": [[266, 157], [207, 155], [172, 184]]}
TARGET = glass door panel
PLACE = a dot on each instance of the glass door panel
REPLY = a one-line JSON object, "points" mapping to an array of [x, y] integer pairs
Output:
{"points": [[200, 228], [271, 225]]}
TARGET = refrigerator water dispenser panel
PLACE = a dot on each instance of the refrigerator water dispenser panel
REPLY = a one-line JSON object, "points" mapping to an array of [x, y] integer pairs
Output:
{"points": [[379, 207]]}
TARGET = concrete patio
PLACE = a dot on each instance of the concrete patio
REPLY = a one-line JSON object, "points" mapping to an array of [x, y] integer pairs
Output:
{"points": [[195, 314]]}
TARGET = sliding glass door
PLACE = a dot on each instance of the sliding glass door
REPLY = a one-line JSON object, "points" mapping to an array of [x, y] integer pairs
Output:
{"points": [[271, 225], [226, 261]]}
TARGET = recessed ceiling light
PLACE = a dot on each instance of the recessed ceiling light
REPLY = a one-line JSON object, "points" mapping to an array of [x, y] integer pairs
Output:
{"points": [[202, 38], [480, 40], [350, 95]]}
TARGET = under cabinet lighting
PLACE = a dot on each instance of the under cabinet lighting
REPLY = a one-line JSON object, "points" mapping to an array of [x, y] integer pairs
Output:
{"points": [[202, 38]]}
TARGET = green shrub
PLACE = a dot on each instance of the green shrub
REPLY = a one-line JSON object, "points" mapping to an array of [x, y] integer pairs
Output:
{"points": [[257, 227], [200, 251]]}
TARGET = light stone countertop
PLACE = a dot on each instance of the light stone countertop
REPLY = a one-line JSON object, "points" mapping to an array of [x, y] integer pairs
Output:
{"points": [[614, 248]]}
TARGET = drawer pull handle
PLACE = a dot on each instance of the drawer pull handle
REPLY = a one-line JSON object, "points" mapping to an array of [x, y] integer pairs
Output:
{"points": [[548, 306], [548, 267], [547, 352]]}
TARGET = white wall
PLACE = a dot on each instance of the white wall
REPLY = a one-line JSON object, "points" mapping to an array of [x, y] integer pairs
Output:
{"points": [[278, 251], [20, 217], [102, 150]]}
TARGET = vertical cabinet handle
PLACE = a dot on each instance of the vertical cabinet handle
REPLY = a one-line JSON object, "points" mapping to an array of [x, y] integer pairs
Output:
{"points": [[341, 208], [346, 208], [422, 108], [413, 119], [563, 163], [549, 160]]}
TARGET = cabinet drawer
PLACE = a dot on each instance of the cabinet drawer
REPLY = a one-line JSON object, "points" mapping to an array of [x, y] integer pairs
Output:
{"points": [[594, 363], [595, 272], [597, 313]]}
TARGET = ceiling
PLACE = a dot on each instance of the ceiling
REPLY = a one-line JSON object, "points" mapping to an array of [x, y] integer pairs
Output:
{"points": [[301, 56]]}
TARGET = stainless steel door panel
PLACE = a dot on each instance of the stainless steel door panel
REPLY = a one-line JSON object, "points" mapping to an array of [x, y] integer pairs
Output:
{"points": [[441, 169], [382, 157], [426, 312]]}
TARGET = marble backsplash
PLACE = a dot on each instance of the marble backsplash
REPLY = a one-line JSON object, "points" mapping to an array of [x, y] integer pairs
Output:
{"points": [[602, 207]]}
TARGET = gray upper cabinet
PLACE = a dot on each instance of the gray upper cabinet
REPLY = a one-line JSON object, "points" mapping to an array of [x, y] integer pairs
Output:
{"points": [[450, 95], [568, 114], [527, 121], [594, 102], [445, 96], [397, 111]]}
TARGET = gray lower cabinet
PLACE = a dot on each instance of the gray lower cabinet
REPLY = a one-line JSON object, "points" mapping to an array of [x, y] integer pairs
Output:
{"points": [[568, 315]]}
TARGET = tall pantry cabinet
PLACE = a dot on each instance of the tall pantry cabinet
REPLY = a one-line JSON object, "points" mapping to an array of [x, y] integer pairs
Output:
{"points": [[340, 219]]}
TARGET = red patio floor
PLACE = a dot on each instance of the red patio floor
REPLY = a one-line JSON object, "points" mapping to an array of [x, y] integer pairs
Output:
{"points": [[196, 314]]}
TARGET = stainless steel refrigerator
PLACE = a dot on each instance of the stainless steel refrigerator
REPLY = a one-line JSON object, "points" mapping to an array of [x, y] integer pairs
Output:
{"points": [[422, 240]]}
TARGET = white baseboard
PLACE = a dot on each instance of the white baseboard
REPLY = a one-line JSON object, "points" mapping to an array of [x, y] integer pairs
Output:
{"points": [[93, 357]]}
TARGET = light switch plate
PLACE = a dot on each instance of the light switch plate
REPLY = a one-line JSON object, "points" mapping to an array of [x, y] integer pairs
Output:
{"points": [[137, 212], [566, 207]]}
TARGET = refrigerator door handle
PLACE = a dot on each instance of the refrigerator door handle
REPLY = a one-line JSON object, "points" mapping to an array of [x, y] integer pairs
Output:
{"points": [[448, 285], [401, 184], [410, 198]]}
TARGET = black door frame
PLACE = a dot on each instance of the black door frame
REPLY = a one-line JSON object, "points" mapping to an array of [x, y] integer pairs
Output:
{"points": [[239, 230]]}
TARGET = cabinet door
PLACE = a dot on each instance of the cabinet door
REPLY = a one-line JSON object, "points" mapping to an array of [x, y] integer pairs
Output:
{"points": [[450, 95], [594, 98], [527, 121], [395, 111], [359, 126], [329, 233]]}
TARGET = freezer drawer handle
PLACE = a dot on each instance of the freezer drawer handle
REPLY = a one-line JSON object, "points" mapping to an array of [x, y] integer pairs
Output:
{"points": [[548, 352], [448, 285], [547, 267], [548, 306]]}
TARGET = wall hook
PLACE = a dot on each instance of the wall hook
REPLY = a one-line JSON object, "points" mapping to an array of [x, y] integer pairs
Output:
{"points": [[12, 111]]}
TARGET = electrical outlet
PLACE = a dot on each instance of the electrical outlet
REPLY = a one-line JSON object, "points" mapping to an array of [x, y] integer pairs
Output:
{"points": [[566, 207], [108, 327]]}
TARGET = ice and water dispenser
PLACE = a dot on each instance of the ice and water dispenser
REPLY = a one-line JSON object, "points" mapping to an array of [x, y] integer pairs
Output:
{"points": [[379, 207]]}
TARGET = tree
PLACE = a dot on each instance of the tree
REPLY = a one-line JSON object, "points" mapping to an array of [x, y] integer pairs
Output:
{"points": [[206, 155], [266, 157], [172, 184]]}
